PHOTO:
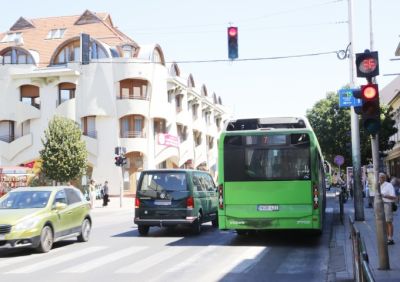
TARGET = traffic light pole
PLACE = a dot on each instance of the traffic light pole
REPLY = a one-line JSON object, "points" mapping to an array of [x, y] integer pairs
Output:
{"points": [[380, 223], [355, 130], [381, 236]]}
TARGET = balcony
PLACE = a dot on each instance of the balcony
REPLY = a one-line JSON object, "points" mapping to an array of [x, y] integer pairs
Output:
{"points": [[133, 134], [10, 146], [132, 106], [134, 141]]}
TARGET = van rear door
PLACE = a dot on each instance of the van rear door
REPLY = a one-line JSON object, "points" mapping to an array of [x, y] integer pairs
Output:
{"points": [[163, 195]]}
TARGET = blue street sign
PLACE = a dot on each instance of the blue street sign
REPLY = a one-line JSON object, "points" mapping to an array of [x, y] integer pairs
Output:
{"points": [[346, 99]]}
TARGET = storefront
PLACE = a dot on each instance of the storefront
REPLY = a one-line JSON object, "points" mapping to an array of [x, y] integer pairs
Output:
{"points": [[13, 177]]}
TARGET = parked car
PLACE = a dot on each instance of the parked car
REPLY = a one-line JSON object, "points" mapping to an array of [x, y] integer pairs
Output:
{"points": [[177, 196], [37, 217]]}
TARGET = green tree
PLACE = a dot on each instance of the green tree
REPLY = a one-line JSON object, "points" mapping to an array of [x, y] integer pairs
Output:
{"points": [[64, 156], [332, 125]]}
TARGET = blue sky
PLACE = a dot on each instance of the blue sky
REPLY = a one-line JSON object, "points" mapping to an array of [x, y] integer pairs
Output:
{"points": [[196, 30]]}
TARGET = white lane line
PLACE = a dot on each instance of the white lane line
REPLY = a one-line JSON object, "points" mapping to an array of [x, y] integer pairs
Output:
{"points": [[92, 264], [7, 261], [54, 261], [151, 261], [192, 259]]}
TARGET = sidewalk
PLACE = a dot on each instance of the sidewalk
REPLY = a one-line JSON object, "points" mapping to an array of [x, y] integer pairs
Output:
{"points": [[368, 234], [128, 203]]}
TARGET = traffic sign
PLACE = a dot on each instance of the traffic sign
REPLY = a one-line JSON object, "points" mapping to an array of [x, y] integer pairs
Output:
{"points": [[346, 98], [339, 160]]}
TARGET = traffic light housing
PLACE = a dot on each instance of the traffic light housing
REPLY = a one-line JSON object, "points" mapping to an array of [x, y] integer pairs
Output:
{"points": [[120, 160], [370, 109], [367, 64], [233, 48]]}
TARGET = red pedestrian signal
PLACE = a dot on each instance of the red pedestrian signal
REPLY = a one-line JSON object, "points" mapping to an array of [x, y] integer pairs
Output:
{"points": [[233, 49], [367, 64]]}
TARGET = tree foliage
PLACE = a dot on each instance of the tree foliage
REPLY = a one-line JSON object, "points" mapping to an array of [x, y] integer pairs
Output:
{"points": [[332, 125], [64, 156]]}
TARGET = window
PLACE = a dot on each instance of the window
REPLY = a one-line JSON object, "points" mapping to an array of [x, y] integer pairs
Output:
{"points": [[89, 126], [133, 89], [132, 126], [30, 95], [160, 126], [10, 37], [56, 33], [73, 196], [127, 51], [16, 56], [194, 110], [7, 131], [71, 52], [66, 91], [60, 197], [182, 132], [178, 103], [197, 137]]}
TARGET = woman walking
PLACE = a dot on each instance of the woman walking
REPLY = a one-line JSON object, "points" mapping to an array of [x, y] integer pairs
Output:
{"points": [[92, 193]]}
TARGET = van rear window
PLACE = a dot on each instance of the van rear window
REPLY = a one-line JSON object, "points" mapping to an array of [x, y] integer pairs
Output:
{"points": [[163, 181]]}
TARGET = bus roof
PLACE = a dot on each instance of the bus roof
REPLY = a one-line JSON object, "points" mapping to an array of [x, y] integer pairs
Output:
{"points": [[267, 123]]}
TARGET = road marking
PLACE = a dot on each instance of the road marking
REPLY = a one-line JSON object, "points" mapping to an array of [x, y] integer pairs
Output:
{"points": [[148, 262], [85, 267], [192, 259], [54, 261], [328, 210], [7, 261]]}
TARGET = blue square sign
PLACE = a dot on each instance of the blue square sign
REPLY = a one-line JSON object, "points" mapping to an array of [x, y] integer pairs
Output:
{"points": [[346, 99]]}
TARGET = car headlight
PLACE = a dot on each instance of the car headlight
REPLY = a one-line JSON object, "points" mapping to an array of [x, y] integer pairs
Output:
{"points": [[27, 224]]}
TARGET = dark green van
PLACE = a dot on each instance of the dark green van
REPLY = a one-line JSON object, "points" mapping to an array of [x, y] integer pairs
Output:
{"points": [[168, 197]]}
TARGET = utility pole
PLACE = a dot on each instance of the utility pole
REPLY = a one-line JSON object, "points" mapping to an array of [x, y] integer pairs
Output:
{"points": [[380, 221], [355, 130]]}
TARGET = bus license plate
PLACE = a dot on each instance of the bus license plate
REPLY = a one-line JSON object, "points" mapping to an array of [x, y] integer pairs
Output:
{"points": [[268, 208]]}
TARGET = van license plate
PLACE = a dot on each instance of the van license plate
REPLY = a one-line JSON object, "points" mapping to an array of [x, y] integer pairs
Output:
{"points": [[268, 208], [162, 203], [2, 236]]}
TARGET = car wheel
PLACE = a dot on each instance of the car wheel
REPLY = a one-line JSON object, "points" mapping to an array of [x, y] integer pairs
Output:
{"points": [[46, 240], [196, 225], [143, 230], [86, 227]]}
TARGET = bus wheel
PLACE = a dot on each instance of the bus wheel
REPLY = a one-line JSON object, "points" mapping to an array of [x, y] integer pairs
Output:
{"points": [[242, 232]]}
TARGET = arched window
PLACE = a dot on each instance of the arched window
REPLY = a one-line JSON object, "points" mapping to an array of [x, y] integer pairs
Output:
{"points": [[70, 52], [16, 56], [132, 126], [66, 91]]}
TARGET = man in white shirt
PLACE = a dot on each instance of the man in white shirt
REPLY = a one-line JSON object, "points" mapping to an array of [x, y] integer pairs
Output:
{"points": [[388, 196]]}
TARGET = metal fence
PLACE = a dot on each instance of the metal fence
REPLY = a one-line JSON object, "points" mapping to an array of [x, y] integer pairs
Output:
{"points": [[361, 269]]}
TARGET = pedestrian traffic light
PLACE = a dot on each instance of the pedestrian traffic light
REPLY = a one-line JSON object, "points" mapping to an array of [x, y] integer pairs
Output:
{"points": [[370, 109], [233, 49], [367, 64]]}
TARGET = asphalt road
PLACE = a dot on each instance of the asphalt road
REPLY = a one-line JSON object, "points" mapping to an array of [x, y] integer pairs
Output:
{"points": [[117, 253]]}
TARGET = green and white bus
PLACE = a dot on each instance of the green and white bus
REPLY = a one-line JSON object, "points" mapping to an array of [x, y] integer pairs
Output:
{"points": [[270, 175]]}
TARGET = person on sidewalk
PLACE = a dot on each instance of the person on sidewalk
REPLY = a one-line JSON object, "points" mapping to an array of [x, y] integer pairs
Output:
{"points": [[388, 196], [92, 193], [105, 194]]}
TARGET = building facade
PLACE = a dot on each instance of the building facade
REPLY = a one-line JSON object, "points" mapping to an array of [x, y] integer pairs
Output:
{"points": [[126, 95]]}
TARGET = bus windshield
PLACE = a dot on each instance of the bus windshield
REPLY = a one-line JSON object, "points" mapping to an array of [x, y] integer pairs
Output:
{"points": [[267, 157]]}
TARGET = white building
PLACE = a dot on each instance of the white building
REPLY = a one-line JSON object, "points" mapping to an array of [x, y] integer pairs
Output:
{"points": [[126, 96]]}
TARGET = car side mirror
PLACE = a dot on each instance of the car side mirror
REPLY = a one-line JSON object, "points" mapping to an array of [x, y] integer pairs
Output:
{"points": [[60, 206]]}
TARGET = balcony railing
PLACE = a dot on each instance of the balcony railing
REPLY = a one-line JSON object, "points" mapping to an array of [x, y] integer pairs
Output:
{"points": [[92, 134], [133, 97], [133, 134], [7, 138]]}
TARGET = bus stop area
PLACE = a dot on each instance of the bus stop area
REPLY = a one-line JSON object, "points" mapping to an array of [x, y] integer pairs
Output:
{"points": [[341, 237]]}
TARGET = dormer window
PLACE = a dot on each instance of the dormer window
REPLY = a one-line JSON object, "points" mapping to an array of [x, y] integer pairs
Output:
{"points": [[56, 33], [15, 56], [127, 51], [10, 37]]}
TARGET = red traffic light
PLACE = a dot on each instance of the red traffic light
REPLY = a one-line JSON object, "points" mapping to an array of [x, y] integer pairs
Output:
{"points": [[369, 92], [232, 31]]}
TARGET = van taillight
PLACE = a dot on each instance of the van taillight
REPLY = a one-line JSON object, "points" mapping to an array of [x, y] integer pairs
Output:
{"points": [[315, 196], [221, 196], [137, 203], [190, 203]]}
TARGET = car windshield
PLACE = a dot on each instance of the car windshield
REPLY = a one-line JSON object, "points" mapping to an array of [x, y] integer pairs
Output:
{"points": [[25, 200]]}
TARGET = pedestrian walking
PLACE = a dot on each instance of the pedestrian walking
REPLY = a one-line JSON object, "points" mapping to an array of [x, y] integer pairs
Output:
{"points": [[388, 197], [396, 184], [92, 193], [105, 194]]}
